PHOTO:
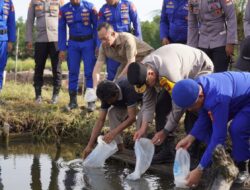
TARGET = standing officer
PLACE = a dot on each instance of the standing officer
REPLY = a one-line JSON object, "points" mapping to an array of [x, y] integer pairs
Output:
{"points": [[81, 18], [7, 33], [46, 14], [247, 20], [212, 27], [120, 14], [173, 23]]}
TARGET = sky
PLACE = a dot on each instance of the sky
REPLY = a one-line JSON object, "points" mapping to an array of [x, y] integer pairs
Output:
{"points": [[144, 7]]}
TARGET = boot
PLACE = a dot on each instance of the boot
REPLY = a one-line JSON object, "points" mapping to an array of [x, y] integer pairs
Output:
{"points": [[55, 94], [167, 153], [38, 92], [73, 100], [243, 172], [91, 106]]}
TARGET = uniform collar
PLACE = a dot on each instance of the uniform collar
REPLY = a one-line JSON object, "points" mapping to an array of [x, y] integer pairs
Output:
{"points": [[120, 93], [81, 3], [117, 41]]}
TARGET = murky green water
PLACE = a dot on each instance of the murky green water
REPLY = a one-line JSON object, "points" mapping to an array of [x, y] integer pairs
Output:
{"points": [[40, 167]]}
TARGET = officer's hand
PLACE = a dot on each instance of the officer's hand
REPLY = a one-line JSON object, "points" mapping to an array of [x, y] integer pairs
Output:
{"points": [[194, 177], [165, 41], [230, 50], [86, 151], [96, 52], [185, 143], [109, 137], [62, 55], [159, 138], [138, 134], [10, 47]]}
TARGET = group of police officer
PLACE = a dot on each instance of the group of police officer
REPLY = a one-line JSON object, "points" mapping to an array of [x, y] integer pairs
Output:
{"points": [[103, 37]]}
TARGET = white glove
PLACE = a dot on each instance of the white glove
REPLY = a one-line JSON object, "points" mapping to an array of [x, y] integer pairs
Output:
{"points": [[90, 95]]}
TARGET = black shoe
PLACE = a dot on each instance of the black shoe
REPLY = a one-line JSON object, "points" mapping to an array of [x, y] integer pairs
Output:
{"points": [[38, 100], [73, 100], [164, 156], [91, 106]]}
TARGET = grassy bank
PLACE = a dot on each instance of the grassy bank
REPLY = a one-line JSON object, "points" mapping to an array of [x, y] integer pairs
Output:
{"points": [[44, 121]]}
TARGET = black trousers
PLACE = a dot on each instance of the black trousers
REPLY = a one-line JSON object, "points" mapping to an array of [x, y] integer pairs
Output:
{"points": [[219, 57], [163, 108], [42, 51]]}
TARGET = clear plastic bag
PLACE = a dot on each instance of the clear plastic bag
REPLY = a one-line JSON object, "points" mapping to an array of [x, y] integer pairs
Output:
{"points": [[101, 152], [144, 151], [181, 167]]}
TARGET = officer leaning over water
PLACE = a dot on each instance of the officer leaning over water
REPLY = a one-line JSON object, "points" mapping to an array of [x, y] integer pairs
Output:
{"points": [[173, 23], [7, 33], [121, 14], [212, 27], [45, 12], [81, 18]]}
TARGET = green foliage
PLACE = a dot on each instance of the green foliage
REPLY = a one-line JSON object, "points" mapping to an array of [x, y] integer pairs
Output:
{"points": [[151, 32]]}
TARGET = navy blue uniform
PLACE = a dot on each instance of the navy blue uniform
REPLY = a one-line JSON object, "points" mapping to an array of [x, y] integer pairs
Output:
{"points": [[227, 96], [173, 24], [82, 21], [121, 17], [7, 32]]}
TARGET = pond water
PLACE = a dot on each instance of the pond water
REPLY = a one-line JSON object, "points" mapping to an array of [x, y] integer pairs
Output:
{"points": [[25, 166]]}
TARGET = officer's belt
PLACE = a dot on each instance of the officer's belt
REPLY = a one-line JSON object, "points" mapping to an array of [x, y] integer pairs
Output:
{"points": [[80, 38], [3, 31]]}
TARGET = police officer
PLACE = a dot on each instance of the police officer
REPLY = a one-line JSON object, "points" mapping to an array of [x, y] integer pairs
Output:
{"points": [[7, 34], [81, 18], [46, 14], [217, 105], [120, 14], [155, 77], [173, 23], [247, 20], [212, 27], [122, 47]]}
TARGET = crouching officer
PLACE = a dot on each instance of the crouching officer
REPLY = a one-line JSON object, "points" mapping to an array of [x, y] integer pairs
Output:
{"points": [[81, 18], [46, 15], [7, 33], [120, 14], [217, 105], [119, 102]]}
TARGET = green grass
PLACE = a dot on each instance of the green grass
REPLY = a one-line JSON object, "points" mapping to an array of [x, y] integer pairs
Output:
{"points": [[45, 121], [29, 64]]}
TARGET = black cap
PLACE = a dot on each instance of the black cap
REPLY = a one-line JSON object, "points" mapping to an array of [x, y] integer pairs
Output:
{"points": [[243, 62], [137, 75]]}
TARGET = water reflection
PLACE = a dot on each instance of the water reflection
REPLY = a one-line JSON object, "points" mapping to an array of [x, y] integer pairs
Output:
{"points": [[42, 167]]}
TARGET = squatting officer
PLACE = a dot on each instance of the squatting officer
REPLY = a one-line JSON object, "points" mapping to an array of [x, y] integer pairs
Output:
{"points": [[173, 23], [121, 14], [46, 14], [81, 18], [7, 33]]}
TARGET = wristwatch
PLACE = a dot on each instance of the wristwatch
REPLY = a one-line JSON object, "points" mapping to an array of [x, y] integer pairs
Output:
{"points": [[166, 132], [200, 167]]}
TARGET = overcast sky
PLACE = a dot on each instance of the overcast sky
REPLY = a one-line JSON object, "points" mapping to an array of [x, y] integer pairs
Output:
{"points": [[144, 7]]}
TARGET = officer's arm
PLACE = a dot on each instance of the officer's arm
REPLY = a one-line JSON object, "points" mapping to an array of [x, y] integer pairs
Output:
{"points": [[30, 22], [193, 29], [219, 117], [135, 20], [98, 127], [164, 23], [231, 21], [247, 20], [11, 24], [100, 20], [93, 17], [62, 31], [98, 66]]}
